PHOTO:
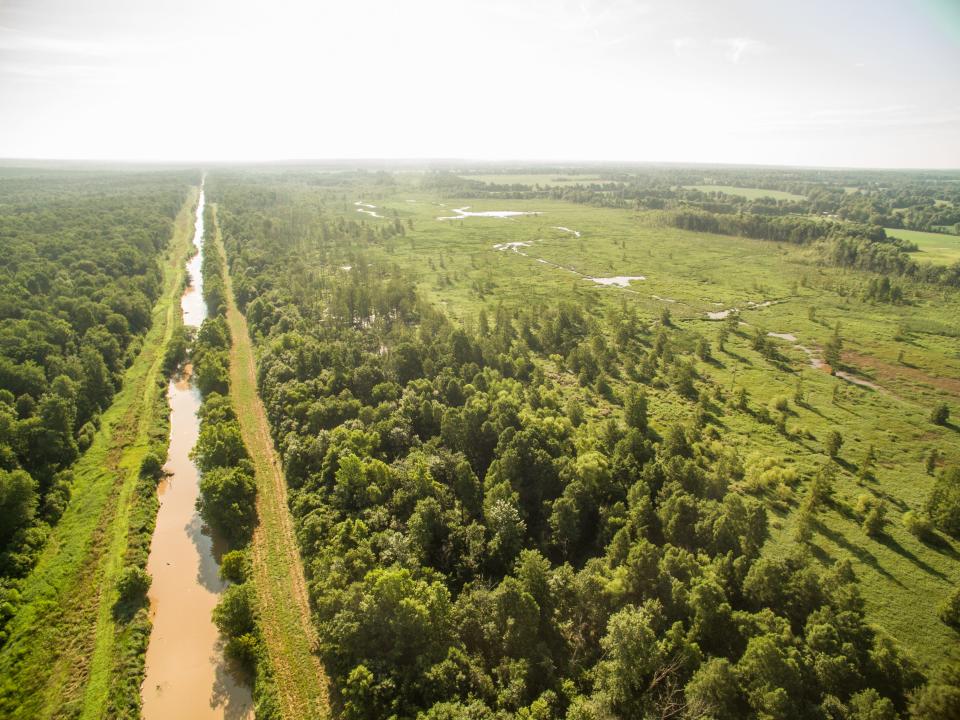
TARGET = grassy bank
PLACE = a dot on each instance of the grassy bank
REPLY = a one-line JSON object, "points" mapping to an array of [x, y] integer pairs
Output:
{"points": [[72, 650], [285, 621]]}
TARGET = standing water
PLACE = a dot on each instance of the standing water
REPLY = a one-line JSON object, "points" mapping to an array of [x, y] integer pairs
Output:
{"points": [[187, 673]]}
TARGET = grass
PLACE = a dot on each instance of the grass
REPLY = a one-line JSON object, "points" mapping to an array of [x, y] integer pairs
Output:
{"points": [[903, 579], [749, 193], [61, 657], [288, 630], [936, 248]]}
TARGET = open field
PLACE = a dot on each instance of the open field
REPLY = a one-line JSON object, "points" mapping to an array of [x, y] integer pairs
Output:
{"points": [[65, 645], [937, 248], [746, 192], [285, 621], [691, 274]]}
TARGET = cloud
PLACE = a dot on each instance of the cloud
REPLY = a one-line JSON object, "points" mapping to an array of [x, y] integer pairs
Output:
{"points": [[740, 47]]}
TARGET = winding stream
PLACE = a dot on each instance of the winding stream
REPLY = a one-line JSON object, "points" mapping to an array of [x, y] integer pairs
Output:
{"points": [[187, 675]]}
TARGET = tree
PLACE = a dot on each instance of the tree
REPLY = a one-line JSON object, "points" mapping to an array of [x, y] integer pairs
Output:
{"points": [[635, 409], [18, 503], [939, 699], [832, 350], [228, 501], [833, 444], [133, 583], [875, 519], [943, 505], [219, 445], [949, 611], [715, 689]]}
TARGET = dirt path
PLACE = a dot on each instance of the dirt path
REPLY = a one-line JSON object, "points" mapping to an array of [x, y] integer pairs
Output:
{"points": [[285, 619]]}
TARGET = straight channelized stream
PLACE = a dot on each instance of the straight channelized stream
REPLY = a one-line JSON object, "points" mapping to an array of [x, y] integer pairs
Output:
{"points": [[187, 675]]}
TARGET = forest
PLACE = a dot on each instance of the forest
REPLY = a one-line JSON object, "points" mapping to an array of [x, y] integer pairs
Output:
{"points": [[616, 447], [480, 542], [81, 275]]}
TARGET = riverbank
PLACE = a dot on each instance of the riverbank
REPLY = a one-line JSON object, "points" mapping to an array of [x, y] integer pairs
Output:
{"points": [[187, 674], [285, 620]]}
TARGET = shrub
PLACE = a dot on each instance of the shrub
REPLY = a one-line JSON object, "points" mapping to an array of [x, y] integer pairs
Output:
{"points": [[151, 466], [133, 583], [949, 611], [940, 414], [233, 566], [917, 524]]}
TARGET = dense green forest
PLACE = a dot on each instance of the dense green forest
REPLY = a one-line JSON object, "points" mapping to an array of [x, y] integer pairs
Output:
{"points": [[559, 442], [491, 524], [80, 276]]}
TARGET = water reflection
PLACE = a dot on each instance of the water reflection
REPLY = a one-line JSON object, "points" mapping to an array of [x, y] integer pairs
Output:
{"points": [[187, 675]]}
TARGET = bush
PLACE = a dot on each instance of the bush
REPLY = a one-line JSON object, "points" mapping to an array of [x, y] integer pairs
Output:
{"points": [[133, 584], [917, 524], [940, 414], [151, 466], [949, 611], [233, 566]]}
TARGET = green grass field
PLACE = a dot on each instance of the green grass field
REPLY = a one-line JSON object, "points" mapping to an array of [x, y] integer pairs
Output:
{"points": [[61, 658], [903, 579], [749, 193], [934, 247]]}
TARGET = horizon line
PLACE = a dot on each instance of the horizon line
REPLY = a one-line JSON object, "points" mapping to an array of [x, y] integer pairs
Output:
{"points": [[200, 163]]}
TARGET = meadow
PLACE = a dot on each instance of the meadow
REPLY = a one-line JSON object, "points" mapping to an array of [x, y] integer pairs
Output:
{"points": [[909, 353], [937, 248]]}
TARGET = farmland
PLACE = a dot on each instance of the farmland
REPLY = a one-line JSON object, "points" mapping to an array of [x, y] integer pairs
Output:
{"points": [[938, 248]]}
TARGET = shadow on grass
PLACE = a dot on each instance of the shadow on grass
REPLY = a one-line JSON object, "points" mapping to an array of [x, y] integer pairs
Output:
{"points": [[941, 545], [892, 544], [862, 554], [738, 358]]}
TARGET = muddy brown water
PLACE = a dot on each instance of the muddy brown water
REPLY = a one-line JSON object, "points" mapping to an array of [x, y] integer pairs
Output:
{"points": [[187, 675]]}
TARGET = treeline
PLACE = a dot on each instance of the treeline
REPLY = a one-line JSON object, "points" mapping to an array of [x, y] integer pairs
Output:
{"points": [[479, 542], [81, 259], [864, 247], [916, 200]]}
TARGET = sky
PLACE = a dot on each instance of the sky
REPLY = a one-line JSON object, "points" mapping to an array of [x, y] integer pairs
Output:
{"points": [[839, 83]]}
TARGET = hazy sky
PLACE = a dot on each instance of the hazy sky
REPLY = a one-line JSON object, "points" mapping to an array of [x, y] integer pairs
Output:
{"points": [[819, 82]]}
